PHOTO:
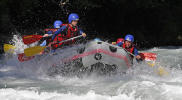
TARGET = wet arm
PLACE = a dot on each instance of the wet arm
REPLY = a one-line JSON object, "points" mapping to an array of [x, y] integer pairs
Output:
{"points": [[81, 31], [136, 52]]}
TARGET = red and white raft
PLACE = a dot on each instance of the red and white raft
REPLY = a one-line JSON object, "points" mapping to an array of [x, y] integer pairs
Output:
{"points": [[100, 52]]}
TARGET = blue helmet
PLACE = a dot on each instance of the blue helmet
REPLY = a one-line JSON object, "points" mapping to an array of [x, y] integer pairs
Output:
{"points": [[129, 37], [57, 23], [73, 16]]}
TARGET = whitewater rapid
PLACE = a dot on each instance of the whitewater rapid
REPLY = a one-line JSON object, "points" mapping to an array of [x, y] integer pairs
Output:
{"points": [[28, 81]]}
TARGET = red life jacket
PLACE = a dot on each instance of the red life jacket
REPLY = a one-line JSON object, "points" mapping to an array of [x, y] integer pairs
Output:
{"points": [[70, 32], [131, 49], [50, 29], [56, 40]]}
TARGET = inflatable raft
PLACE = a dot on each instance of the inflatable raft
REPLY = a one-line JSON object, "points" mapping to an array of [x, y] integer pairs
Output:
{"points": [[101, 52]]}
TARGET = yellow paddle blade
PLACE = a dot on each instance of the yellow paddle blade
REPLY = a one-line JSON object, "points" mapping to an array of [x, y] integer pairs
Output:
{"points": [[34, 50], [162, 71], [151, 64], [9, 48], [113, 43]]}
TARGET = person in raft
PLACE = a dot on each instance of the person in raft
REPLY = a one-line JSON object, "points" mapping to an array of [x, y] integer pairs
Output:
{"points": [[49, 32], [69, 30], [127, 44]]}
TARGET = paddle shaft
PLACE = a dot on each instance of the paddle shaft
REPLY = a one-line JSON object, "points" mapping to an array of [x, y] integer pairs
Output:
{"points": [[37, 49], [118, 47], [146, 57], [68, 39], [45, 37]]}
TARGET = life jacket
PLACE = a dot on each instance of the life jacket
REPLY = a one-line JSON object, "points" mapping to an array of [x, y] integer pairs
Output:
{"points": [[48, 40], [131, 49], [57, 39], [69, 33]]}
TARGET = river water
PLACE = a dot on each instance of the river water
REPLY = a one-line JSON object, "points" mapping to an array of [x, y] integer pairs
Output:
{"points": [[28, 80]]}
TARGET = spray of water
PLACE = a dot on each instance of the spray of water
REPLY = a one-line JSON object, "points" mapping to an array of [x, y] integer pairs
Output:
{"points": [[21, 80]]}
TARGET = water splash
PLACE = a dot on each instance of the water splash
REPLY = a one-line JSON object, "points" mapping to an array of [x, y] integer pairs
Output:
{"points": [[141, 82]]}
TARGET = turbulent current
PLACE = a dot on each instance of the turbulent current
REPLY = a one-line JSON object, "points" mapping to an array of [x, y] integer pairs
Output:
{"points": [[31, 80]]}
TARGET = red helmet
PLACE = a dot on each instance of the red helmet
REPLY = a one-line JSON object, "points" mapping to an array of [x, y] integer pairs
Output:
{"points": [[120, 40]]}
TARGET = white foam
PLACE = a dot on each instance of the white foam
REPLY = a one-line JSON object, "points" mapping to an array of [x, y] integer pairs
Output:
{"points": [[172, 92], [141, 83], [12, 94]]}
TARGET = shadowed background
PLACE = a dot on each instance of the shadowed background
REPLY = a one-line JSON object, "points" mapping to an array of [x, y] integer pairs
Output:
{"points": [[152, 22]]}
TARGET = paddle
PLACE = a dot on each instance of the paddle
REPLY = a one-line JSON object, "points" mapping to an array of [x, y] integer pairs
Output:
{"points": [[9, 48], [33, 50], [37, 49], [28, 39], [151, 61], [148, 56], [22, 57]]}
